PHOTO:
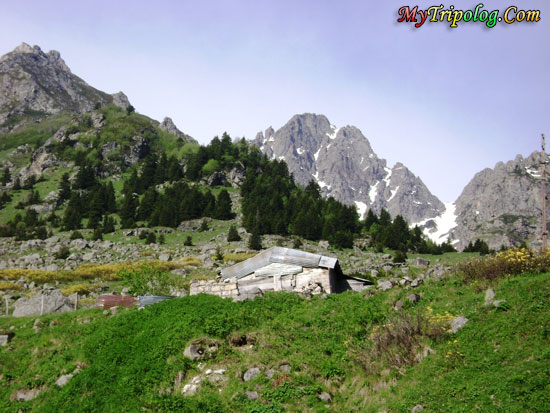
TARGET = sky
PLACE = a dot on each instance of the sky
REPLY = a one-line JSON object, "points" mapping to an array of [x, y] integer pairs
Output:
{"points": [[446, 102]]}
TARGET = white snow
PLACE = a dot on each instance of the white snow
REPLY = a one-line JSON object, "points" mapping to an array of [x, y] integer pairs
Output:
{"points": [[533, 173], [393, 192], [444, 224], [271, 139], [334, 132], [477, 212], [361, 208], [387, 179], [371, 155], [281, 158], [322, 184], [362, 159], [365, 168], [328, 146], [316, 155], [353, 189], [300, 151], [373, 192]]}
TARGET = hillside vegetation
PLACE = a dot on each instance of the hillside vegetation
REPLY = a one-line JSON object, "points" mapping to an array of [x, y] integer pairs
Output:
{"points": [[347, 352]]}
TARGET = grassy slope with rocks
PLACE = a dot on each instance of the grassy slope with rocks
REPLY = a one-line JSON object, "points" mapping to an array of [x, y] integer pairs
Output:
{"points": [[133, 360]]}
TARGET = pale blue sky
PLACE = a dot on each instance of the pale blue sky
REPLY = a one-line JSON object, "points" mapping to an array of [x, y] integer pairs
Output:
{"points": [[445, 102]]}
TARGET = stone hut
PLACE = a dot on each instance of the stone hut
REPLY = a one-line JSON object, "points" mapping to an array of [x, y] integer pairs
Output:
{"points": [[281, 269]]}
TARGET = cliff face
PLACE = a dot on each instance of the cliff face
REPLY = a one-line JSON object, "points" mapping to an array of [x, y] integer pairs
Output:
{"points": [[344, 165], [502, 205], [33, 81]]}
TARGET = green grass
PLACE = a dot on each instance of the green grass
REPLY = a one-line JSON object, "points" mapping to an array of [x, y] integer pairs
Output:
{"points": [[500, 361]]}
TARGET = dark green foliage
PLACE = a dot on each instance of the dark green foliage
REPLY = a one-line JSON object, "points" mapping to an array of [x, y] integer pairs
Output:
{"points": [[188, 241], [223, 206], [97, 235], [161, 239], [204, 226], [400, 257], [219, 254], [108, 224], [151, 238], [255, 240], [130, 109], [64, 188], [478, 246], [76, 235], [63, 253], [6, 176], [233, 234]]}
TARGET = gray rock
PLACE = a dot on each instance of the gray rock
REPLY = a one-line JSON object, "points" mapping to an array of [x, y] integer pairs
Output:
{"points": [[120, 100], [489, 296], [138, 150], [169, 126], [499, 303], [417, 408], [421, 262], [415, 283], [201, 349], [165, 257], [5, 339], [324, 245], [398, 305], [251, 373], [384, 285], [325, 397], [63, 380], [343, 160], [25, 395], [413, 298], [190, 389], [285, 368], [53, 302], [252, 395], [52, 267], [458, 323]]}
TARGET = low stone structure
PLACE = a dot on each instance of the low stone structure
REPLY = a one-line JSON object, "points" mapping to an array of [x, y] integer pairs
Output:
{"points": [[280, 269]]}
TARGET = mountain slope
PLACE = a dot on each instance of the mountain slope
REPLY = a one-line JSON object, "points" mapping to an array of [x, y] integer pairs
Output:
{"points": [[344, 165], [502, 205], [32, 81]]}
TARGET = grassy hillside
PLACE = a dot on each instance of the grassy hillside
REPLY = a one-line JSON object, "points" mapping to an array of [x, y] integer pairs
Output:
{"points": [[353, 346]]}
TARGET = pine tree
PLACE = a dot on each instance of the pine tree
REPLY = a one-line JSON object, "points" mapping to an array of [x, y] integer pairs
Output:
{"points": [[97, 234], [233, 234], [6, 176], [255, 240], [223, 206], [370, 219], [151, 238], [64, 188]]}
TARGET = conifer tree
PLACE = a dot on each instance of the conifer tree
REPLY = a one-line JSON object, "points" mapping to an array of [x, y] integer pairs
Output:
{"points": [[233, 234], [223, 206]]}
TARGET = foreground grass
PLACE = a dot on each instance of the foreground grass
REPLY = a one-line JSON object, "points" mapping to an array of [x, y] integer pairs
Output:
{"points": [[500, 361]]}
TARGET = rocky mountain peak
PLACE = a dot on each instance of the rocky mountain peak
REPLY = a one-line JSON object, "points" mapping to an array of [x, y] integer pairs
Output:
{"points": [[343, 163], [169, 126], [38, 82]]}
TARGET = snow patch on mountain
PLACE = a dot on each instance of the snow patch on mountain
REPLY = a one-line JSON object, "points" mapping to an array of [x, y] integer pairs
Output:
{"points": [[443, 225], [361, 208]]}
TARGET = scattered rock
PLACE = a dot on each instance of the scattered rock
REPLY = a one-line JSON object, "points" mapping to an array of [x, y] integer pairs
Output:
{"points": [[63, 380], [325, 397], [201, 349], [251, 373], [25, 395], [417, 408], [421, 262], [457, 323], [165, 257], [384, 285], [489, 296], [5, 339], [252, 395], [48, 301], [413, 298], [285, 368]]}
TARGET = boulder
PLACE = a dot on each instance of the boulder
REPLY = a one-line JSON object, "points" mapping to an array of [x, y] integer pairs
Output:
{"points": [[457, 323], [201, 349], [252, 395], [251, 373], [25, 395], [325, 397], [384, 285], [48, 301], [489, 296]]}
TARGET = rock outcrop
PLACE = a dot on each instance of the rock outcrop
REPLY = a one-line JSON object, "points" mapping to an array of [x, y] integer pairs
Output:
{"points": [[169, 126], [34, 82], [344, 165], [502, 205]]}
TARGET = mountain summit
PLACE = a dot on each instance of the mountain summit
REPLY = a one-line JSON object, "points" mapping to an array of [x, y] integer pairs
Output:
{"points": [[342, 162], [34, 81]]}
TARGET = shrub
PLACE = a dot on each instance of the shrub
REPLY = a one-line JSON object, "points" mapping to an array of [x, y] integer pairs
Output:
{"points": [[399, 257], [6, 286], [149, 279], [188, 241], [76, 235], [81, 289], [63, 253], [505, 263], [204, 226], [151, 238], [233, 234], [399, 342]]}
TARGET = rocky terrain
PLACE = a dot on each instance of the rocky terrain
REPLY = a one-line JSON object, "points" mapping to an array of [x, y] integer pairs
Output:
{"points": [[344, 165], [502, 205]]}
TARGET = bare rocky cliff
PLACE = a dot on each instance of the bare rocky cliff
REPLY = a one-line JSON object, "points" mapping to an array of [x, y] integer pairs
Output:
{"points": [[345, 166], [502, 205], [32, 81]]}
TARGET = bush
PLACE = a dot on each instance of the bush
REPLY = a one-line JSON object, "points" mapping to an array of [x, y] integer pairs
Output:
{"points": [[63, 253], [76, 235], [505, 263], [149, 279], [188, 241], [204, 226], [151, 238], [399, 257], [233, 234]]}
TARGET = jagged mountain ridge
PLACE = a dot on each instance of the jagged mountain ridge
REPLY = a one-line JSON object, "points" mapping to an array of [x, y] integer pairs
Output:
{"points": [[502, 205], [344, 165], [34, 81]]}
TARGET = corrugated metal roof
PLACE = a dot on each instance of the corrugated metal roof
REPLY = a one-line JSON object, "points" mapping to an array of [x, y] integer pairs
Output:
{"points": [[279, 255]]}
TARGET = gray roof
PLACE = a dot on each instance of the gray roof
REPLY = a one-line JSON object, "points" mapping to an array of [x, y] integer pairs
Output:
{"points": [[280, 255]]}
